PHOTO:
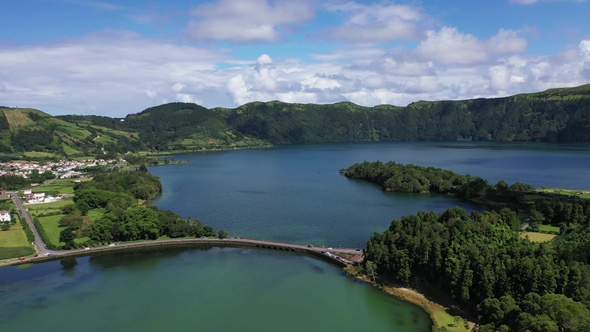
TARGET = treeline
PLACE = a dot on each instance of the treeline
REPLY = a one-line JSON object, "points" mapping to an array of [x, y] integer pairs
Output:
{"points": [[557, 115], [535, 207], [117, 195], [395, 177], [15, 182], [509, 284]]}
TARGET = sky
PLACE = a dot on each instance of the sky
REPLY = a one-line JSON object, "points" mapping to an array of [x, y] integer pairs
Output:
{"points": [[113, 58]]}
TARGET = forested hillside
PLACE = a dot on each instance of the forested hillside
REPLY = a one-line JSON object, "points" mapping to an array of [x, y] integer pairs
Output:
{"points": [[557, 115]]}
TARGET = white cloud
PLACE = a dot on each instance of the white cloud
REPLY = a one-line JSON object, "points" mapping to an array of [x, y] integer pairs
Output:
{"points": [[377, 22], [450, 46], [246, 20], [111, 71], [507, 41]]}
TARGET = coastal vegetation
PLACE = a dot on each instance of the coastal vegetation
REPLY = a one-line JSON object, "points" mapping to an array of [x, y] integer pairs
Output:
{"points": [[109, 209], [479, 260]]}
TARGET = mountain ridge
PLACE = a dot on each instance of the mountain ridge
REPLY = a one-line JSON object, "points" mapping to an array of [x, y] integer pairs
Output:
{"points": [[554, 115]]}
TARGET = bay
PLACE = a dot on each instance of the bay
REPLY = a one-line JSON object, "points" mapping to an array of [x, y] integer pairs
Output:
{"points": [[217, 289], [290, 193]]}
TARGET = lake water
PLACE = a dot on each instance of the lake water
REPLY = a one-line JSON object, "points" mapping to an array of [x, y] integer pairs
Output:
{"points": [[293, 194], [296, 194]]}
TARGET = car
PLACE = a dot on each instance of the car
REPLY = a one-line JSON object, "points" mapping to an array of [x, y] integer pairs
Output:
{"points": [[111, 245], [330, 248]]}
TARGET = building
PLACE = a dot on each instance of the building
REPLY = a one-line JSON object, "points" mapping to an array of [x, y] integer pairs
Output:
{"points": [[5, 216]]}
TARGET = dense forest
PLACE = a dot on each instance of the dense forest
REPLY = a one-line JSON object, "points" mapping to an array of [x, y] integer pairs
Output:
{"points": [[117, 195], [478, 259], [508, 283], [557, 115]]}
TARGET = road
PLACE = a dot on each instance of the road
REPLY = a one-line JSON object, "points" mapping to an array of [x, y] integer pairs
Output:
{"points": [[39, 244]]}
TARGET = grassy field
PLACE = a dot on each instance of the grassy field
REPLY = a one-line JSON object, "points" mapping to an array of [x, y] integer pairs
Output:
{"points": [[13, 243], [45, 208], [61, 186], [548, 229], [537, 237], [50, 223], [569, 192]]}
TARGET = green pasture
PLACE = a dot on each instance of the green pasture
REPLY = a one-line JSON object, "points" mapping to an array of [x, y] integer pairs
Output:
{"points": [[549, 229], [96, 213], [52, 229], [537, 237], [46, 208], [49, 215], [38, 154], [13, 243], [568, 192], [61, 186], [68, 150]]}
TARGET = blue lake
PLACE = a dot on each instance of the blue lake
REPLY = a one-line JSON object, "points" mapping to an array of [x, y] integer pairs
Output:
{"points": [[291, 193]]}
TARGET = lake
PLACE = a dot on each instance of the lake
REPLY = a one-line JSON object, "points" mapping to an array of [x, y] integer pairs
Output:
{"points": [[291, 193], [296, 194]]}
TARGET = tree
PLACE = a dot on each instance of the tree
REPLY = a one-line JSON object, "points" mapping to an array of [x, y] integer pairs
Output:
{"points": [[370, 269], [142, 168], [67, 237], [222, 234]]}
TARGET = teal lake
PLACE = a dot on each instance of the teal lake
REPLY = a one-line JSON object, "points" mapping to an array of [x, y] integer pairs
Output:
{"points": [[291, 193]]}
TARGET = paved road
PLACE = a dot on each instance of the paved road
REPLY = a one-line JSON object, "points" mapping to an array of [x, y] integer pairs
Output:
{"points": [[39, 244]]}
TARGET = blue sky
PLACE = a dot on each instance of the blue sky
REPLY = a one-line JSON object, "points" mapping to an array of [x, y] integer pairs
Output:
{"points": [[119, 57]]}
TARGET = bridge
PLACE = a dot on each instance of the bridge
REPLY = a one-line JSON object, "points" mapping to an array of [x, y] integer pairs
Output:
{"points": [[339, 256]]}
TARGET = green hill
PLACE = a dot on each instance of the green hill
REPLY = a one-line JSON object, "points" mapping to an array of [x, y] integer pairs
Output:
{"points": [[33, 134], [556, 115]]}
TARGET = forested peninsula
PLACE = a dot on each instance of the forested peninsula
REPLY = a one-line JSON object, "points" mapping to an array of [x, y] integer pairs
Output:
{"points": [[477, 259], [115, 199], [556, 115]]}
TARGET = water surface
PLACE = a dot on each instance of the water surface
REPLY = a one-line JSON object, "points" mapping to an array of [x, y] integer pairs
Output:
{"points": [[293, 194], [219, 289]]}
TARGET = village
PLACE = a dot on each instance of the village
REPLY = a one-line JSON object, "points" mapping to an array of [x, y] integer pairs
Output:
{"points": [[63, 169]]}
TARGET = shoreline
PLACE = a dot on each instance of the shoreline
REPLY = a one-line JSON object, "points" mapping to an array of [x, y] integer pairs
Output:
{"points": [[438, 313]]}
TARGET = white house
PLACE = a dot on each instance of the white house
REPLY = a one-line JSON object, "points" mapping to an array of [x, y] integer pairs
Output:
{"points": [[5, 215]]}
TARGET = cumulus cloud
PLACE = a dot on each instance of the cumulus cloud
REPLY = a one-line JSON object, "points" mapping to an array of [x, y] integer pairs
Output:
{"points": [[246, 21], [377, 22], [450, 46], [111, 71]]}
